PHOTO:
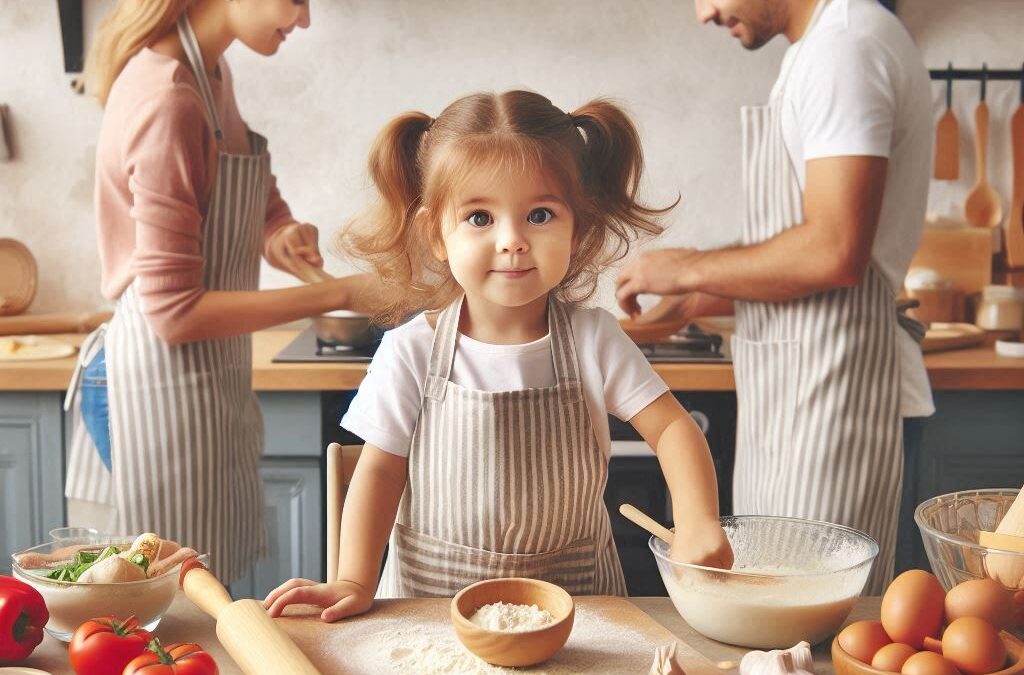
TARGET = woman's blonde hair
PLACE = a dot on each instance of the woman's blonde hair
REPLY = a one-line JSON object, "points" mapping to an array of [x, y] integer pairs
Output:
{"points": [[132, 25], [594, 153]]}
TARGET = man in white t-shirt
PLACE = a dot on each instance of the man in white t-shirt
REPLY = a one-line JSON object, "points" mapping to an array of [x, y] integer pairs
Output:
{"points": [[836, 179]]}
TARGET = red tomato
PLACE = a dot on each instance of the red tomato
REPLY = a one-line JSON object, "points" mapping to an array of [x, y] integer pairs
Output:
{"points": [[103, 646], [178, 659]]}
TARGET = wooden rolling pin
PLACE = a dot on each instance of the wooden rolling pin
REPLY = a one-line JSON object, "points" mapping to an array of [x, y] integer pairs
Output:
{"points": [[257, 645], [1009, 536], [39, 324]]}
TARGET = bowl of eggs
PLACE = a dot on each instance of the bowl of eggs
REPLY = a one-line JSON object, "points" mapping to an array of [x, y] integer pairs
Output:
{"points": [[514, 621], [793, 580], [924, 630]]}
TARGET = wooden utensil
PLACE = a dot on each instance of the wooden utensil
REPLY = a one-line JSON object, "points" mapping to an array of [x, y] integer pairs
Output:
{"points": [[1015, 223], [39, 324], [1009, 535], [656, 331], [945, 336], [249, 635], [646, 522], [18, 276], [983, 208], [947, 140]]}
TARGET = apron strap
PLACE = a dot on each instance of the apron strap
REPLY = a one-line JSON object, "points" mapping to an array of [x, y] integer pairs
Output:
{"points": [[915, 328], [195, 57], [563, 352]]}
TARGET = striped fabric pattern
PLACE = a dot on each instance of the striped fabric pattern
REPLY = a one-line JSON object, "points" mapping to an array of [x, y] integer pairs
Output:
{"points": [[817, 378], [503, 483], [186, 428]]}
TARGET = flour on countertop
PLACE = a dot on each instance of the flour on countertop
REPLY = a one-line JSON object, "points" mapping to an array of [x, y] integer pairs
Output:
{"points": [[400, 647], [505, 617]]}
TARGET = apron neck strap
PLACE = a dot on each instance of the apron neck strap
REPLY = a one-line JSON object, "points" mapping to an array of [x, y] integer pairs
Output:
{"points": [[563, 351], [195, 58]]}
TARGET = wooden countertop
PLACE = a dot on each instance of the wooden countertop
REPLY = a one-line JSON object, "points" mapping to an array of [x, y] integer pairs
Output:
{"points": [[965, 369], [185, 623]]}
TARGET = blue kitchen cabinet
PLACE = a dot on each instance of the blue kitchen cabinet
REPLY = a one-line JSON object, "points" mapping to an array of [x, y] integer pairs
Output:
{"points": [[293, 505], [31, 474], [292, 491]]}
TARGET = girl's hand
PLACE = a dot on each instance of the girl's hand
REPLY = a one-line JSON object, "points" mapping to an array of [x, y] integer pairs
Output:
{"points": [[704, 544], [339, 599], [293, 245]]}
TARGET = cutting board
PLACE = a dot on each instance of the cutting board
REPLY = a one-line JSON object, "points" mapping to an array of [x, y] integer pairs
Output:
{"points": [[35, 324], [610, 636]]}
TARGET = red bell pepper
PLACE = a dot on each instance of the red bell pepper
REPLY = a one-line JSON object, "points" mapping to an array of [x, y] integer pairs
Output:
{"points": [[22, 617]]}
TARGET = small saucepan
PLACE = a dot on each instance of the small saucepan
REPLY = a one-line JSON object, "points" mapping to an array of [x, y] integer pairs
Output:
{"points": [[341, 326]]}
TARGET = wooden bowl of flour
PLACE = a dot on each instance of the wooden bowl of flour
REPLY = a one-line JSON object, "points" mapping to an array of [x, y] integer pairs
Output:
{"points": [[524, 647]]}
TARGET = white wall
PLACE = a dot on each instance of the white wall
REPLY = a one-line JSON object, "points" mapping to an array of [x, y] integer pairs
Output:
{"points": [[328, 91]]}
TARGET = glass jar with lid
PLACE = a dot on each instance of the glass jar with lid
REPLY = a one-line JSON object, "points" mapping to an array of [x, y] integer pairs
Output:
{"points": [[1001, 308]]}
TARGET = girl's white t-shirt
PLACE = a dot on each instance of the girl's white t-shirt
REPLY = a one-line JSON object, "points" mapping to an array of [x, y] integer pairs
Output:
{"points": [[616, 377]]}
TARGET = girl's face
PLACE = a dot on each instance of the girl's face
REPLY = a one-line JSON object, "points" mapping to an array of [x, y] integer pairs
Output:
{"points": [[262, 25], [508, 237]]}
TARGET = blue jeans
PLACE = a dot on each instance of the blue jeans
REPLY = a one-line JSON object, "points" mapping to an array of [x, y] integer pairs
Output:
{"points": [[95, 404]]}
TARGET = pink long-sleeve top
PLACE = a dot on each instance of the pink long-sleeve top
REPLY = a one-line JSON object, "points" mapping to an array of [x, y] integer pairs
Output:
{"points": [[155, 165]]}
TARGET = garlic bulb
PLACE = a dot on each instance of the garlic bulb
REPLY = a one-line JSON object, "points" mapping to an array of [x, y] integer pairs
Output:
{"points": [[666, 662], [796, 660]]}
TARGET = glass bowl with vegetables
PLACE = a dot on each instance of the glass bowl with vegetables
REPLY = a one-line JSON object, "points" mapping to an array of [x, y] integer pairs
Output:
{"points": [[101, 575]]}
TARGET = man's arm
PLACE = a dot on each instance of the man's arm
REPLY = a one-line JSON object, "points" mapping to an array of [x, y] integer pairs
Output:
{"points": [[830, 249]]}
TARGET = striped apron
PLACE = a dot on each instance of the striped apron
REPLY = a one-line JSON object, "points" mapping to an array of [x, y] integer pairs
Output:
{"points": [[503, 484], [817, 378], [185, 425]]}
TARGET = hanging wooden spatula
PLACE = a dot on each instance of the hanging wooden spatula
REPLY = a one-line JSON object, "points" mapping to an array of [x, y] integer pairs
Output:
{"points": [[983, 207], [947, 139], [1015, 223]]}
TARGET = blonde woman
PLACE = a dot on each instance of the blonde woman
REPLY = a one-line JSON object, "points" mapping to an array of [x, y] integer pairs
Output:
{"points": [[186, 206], [487, 440]]}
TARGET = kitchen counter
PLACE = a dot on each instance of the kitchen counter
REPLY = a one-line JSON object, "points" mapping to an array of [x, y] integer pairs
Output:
{"points": [[966, 369], [185, 623]]}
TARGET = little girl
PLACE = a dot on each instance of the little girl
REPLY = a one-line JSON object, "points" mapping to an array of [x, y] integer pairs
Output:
{"points": [[486, 423]]}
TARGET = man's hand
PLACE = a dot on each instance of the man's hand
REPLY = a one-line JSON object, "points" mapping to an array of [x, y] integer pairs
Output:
{"points": [[661, 272], [294, 245]]}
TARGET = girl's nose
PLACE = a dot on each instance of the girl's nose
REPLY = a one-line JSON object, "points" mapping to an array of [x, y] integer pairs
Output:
{"points": [[303, 21], [511, 239]]}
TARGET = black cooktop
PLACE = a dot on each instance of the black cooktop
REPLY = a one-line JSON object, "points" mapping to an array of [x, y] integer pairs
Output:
{"points": [[308, 348]]}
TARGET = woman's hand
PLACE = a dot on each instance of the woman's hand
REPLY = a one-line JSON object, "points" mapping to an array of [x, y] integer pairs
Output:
{"points": [[339, 599], [293, 247], [702, 544]]}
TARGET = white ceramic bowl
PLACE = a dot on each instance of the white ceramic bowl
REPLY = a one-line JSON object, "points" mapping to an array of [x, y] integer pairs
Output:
{"points": [[71, 604], [793, 580]]}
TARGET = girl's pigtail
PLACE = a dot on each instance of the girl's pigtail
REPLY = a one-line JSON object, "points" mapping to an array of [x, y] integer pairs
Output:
{"points": [[612, 219], [384, 236], [613, 164]]}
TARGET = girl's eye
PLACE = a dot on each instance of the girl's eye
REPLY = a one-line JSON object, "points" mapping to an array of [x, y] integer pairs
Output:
{"points": [[540, 216], [479, 219]]}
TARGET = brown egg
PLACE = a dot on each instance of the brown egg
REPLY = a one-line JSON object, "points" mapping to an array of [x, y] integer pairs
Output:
{"points": [[983, 598], [973, 645], [927, 663], [862, 639], [913, 608], [891, 658]]}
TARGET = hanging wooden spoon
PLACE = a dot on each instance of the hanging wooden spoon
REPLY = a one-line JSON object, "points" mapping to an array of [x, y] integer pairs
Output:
{"points": [[1015, 223], [983, 208], [947, 139]]}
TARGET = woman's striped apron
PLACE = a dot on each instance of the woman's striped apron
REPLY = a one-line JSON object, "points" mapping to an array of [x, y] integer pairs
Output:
{"points": [[819, 429], [186, 428], [503, 484]]}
